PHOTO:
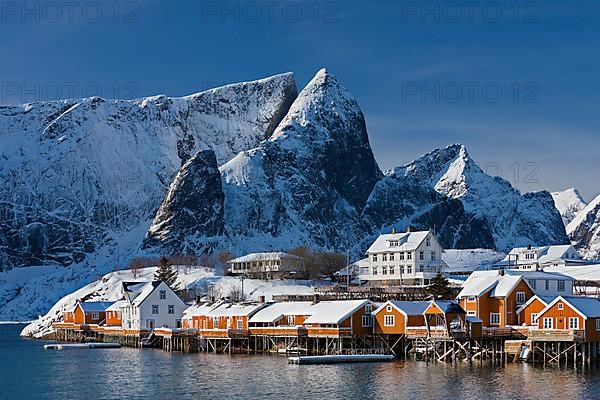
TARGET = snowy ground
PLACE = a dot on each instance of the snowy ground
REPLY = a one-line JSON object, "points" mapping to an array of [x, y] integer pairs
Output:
{"points": [[471, 259], [109, 288]]}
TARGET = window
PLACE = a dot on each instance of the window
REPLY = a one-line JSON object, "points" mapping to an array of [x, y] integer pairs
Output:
{"points": [[291, 320], [368, 308], [374, 257], [471, 299], [561, 306], [471, 313], [409, 256], [95, 316], [154, 309], [401, 256], [389, 320], [598, 324], [391, 270], [428, 242], [384, 257], [573, 323], [494, 318], [532, 283], [421, 255], [384, 270], [374, 270], [215, 323], [561, 286], [548, 323], [547, 284], [420, 268], [367, 321], [388, 309], [163, 294], [391, 256], [171, 309], [240, 324], [520, 298], [534, 317], [433, 256], [409, 269]]}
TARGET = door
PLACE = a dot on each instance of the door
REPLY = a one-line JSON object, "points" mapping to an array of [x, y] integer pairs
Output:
{"points": [[150, 324]]}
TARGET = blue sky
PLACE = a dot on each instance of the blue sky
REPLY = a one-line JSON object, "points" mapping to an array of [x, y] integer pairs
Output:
{"points": [[516, 82]]}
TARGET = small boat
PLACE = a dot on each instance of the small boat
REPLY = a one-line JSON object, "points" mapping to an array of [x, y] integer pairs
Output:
{"points": [[64, 346], [337, 359]]}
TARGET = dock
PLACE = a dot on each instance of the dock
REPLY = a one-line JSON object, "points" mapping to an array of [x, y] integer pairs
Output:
{"points": [[67, 346], [340, 359]]}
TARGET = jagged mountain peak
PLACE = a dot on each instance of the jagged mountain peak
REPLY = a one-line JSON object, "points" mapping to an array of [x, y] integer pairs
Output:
{"points": [[569, 202], [584, 230]]}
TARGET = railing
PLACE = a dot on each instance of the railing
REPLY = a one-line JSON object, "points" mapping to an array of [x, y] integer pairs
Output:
{"points": [[556, 334], [421, 331], [322, 331], [281, 330]]}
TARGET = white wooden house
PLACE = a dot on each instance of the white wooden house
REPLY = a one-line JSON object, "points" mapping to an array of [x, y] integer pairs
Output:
{"points": [[407, 258], [151, 305], [535, 258]]}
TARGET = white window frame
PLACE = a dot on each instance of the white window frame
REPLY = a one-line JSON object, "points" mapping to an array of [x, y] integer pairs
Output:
{"points": [[389, 320], [575, 325], [520, 298], [96, 316], [291, 320], [367, 321], [494, 317], [548, 323], [560, 286], [534, 318], [388, 309], [163, 294], [471, 313], [471, 299], [240, 324], [171, 309], [155, 309], [532, 283], [560, 306], [368, 308]]}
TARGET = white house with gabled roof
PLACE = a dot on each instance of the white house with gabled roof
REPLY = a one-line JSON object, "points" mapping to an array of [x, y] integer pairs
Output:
{"points": [[151, 305], [536, 258], [409, 258]]}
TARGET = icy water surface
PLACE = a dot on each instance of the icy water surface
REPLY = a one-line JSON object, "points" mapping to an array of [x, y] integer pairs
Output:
{"points": [[27, 371]]}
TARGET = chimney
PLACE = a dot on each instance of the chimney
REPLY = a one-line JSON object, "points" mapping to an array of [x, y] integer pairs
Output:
{"points": [[408, 229], [529, 246], [393, 230], [261, 299], [316, 298], [501, 272]]}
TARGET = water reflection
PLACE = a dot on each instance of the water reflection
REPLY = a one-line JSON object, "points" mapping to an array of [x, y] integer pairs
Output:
{"points": [[27, 371]]}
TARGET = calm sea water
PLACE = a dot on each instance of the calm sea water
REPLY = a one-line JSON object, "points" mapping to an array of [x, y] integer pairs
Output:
{"points": [[27, 371]]}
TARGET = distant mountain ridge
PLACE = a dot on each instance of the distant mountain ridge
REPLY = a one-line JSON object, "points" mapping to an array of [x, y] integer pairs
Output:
{"points": [[246, 167]]}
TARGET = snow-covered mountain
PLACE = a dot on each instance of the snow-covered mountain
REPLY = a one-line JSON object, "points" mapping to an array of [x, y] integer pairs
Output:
{"points": [[568, 202], [77, 174], [584, 230], [246, 167]]}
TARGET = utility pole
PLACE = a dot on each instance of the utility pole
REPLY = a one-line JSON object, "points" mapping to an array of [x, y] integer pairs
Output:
{"points": [[242, 277], [347, 269]]}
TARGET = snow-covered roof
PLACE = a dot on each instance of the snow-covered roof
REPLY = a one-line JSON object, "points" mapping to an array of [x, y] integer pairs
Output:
{"points": [[406, 307], [581, 273], [224, 309], [472, 318], [467, 260], [116, 306], [95, 306], [276, 311], [480, 282], [407, 241], [587, 307], [544, 299], [265, 257], [540, 275], [334, 312], [138, 292]]}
